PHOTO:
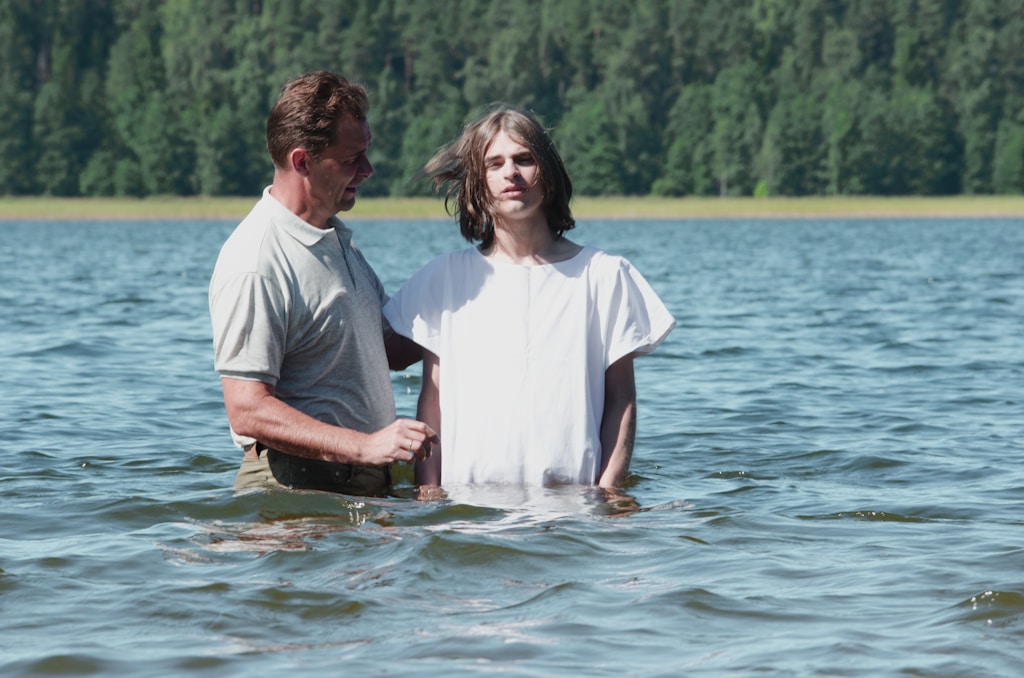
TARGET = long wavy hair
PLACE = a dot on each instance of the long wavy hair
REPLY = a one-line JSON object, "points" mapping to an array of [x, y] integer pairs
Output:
{"points": [[458, 173]]}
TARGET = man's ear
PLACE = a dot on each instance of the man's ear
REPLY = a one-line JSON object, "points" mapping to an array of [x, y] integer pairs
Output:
{"points": [[298, 160]]}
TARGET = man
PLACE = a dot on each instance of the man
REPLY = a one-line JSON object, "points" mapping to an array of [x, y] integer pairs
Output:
{"points": [[299, 338]]}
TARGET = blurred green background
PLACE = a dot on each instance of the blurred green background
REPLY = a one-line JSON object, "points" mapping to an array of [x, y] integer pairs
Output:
{"points": [[646, 97]]}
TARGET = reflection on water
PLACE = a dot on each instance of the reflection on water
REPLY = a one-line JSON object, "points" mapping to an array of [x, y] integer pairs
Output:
{"points": [[298, 534]]}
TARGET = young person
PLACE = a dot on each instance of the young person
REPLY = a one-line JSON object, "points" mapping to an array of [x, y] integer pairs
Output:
{"points": [[529, 338]]}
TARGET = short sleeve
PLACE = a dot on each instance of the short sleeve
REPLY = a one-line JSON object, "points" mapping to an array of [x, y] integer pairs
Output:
{"points": [[634, 318], [415, 311], [248, 315]]}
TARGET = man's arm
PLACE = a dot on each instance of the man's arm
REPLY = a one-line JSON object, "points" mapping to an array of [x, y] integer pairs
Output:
{"points": [[618, 426], [402, 351], [255, 412], [428, 410]]}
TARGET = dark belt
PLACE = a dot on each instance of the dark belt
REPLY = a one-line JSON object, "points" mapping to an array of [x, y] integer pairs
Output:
{"points": [[301, 473]]}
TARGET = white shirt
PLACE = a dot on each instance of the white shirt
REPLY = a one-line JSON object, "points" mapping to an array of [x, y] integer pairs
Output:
{"points": [[523, 353]]}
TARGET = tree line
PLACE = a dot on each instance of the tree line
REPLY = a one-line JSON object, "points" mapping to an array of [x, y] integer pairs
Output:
{"points": [[664, 97]]}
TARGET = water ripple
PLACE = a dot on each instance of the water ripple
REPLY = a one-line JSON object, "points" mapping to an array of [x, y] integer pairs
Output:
{"points": [[826, 478]]}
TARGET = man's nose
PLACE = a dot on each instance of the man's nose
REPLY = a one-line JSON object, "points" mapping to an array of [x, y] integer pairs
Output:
{"points": [[366, 168]]}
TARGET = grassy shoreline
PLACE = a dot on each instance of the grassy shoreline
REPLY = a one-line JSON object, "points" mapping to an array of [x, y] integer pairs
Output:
{"points": [[234, 208]]}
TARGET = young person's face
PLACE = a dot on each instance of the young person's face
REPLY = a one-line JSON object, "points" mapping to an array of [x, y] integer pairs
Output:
{"points": [[337, 174], [513, 178]]}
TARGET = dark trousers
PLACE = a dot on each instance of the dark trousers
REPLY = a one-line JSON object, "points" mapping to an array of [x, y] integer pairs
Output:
{"points": [[299, 473]]}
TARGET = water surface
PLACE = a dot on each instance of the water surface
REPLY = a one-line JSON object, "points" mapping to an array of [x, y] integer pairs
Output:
{"points": [[827, 477]]}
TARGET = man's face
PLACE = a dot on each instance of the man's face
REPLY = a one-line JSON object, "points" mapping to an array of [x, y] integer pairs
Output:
{"points": [[337, 174]]}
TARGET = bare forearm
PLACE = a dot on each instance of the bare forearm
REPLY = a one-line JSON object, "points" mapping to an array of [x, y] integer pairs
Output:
{"points": [[618, 424], [255, 412], [428, 410], [282, 427], [618, 432]]}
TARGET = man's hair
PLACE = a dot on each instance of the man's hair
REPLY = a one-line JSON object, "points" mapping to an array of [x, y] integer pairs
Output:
{"points": [[458, 172], [306, 114]]}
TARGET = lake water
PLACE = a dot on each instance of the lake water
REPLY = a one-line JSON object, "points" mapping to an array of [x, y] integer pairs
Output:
{"points": [[828, 475]]}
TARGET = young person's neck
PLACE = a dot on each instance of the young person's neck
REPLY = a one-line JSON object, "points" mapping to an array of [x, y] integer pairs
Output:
{"points": [[528, 243]]}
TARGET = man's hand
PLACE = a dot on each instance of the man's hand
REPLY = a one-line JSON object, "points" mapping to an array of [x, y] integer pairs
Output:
{"points": [[405, 440]]}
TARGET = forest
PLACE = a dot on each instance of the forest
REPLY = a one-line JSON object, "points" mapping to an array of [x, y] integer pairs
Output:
{"points": [[642, 97]]}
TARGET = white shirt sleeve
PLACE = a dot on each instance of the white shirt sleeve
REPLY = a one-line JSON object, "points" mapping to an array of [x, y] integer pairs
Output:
{"points": [[635, 320]]}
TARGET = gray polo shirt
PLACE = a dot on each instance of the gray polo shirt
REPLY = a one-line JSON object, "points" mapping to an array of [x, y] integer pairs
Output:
{"points": [[299, 308]]}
